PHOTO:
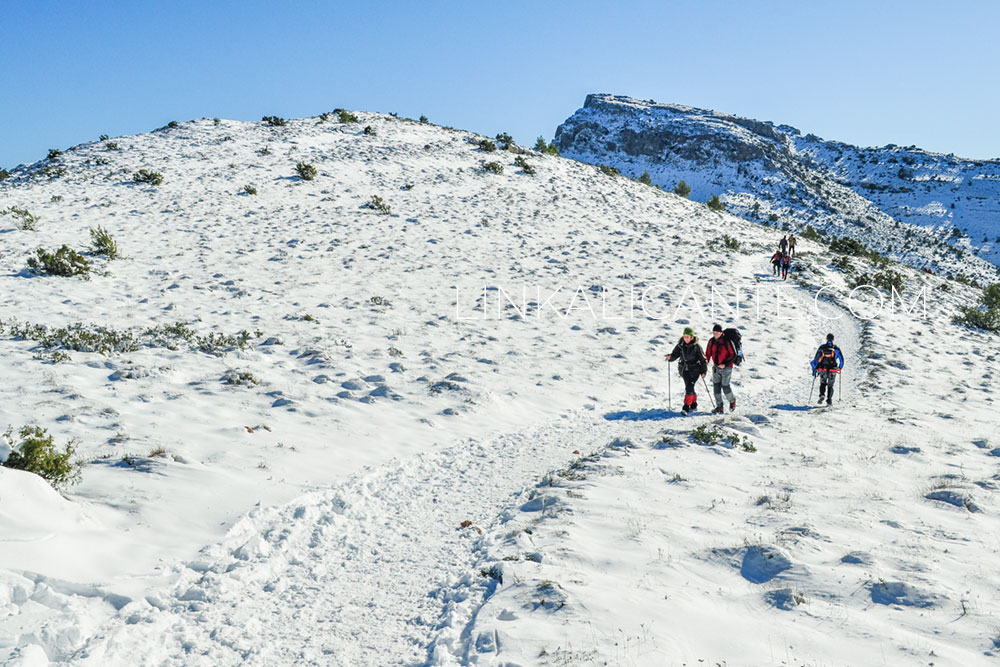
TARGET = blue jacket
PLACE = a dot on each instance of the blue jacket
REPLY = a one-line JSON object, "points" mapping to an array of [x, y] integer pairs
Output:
{"points": [[838, 357]]}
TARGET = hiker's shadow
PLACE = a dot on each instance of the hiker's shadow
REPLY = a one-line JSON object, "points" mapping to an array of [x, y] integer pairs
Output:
{"points": [[793, 408], [642, 415]]}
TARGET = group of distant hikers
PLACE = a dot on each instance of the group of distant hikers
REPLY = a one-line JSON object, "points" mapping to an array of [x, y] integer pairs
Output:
{"points": [[725, 351], [781, 260]]}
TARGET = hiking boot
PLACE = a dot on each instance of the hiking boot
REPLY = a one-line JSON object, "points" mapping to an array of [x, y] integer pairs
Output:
{"points": [[732, 405], [718, 410], [820, 401], [686, 409], [829, 401], [694, 406]]}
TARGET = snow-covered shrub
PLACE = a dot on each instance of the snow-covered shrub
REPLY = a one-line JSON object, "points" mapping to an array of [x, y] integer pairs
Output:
{"points": [[306, 172], [987, 315], [716, 204], [548, 149], [523, 164], [645, 178], [4, 174], [147, 176], [111, 145], [23, 219], [36, 453], [378, 205], [102, 243], [493, 167], [345, 116], [682, 189], [63, 262], [504, 141], [486, 146], [370, 131], [886, 280], [274, 121], [249, 189], [54, 154], [608, 170]]}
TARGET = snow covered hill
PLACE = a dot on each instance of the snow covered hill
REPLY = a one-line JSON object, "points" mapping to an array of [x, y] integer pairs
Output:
{"points": [[415, 410], [929, 210]]}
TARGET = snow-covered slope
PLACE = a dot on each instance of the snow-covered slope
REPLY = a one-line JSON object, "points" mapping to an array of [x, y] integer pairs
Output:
{"points": [[929, 210], [404, 460]]}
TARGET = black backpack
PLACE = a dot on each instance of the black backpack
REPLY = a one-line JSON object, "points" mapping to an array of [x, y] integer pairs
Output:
{"points": [[734, 338]]}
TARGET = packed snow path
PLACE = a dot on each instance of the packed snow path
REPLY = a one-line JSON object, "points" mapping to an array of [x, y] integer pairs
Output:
{"points": [[366, 574]]}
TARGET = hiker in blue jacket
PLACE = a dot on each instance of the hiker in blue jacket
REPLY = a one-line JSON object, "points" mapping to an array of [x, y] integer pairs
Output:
{"points": [[827, 363]]}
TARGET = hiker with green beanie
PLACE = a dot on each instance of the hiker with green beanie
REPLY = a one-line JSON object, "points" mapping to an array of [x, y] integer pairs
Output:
{"points": [[692, 364]]}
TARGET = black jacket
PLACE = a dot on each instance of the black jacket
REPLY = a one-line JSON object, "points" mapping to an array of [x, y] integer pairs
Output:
{"points": [[691, 356]]}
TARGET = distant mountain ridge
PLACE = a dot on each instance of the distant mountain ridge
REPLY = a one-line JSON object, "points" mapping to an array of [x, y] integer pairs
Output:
{"points": [[926, 209]]}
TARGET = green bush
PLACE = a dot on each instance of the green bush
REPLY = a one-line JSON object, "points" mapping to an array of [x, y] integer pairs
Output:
{"points": [[217, 121], [172, 124], [810, 234], [23, 218], [54, 154], [306, 172], [848, 246], [843, 263], [36, 453], [988, 319], [4, 174], [345, 116], [486, 146], [274, 121], [324, 117], [249, 189], [504, 141], [493, 167], [716, 204], [423, 119], [103, 137], [102, 243], [146, 176], [645, 178], [682, 189], [886, 280], [370, 131], [548, 149], [608, 170], [707, 434], [111, 145], [378, 204], [519, 161], [63, 262]]}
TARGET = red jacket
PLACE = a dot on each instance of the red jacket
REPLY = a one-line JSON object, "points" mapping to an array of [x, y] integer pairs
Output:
{"points": [[721, 351]]}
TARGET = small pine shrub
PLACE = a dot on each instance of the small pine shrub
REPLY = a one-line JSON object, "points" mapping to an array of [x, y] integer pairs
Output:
{"points": [[716, 204], [345, 116], [608, 170], [36, 453], [63, 262], [274, 121], [730, 243], [987, 315], [486, 146], [707, 434], [249, 189], [810, 234], [682, 189], [886, 280], [4, 175], [23, 218], [843, 263], [149, 177], [102, 243], [111, 145], [493, 167], [423, 119], [173, 124], [54, 154], [524, 166], [306, 172], [217, 121], [370, 131], [546, 148], [266, 150], [378, 205], [504, 141], [103, 137], [324, 117], [645, 178]]}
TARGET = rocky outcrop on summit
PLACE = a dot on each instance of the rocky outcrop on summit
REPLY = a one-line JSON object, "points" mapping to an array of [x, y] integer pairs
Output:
{"points": [[928, 210]]}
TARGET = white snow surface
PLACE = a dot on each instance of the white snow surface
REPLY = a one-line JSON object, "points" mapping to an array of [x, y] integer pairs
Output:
{"points": [[422, 478]]}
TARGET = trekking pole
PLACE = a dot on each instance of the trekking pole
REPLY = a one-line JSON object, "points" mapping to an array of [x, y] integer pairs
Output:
{"points": [[840, 396], [811, 389], [708, 392], [669, 390]]}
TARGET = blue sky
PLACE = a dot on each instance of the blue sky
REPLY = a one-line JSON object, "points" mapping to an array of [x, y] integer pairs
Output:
{"points": [[868, 73]]}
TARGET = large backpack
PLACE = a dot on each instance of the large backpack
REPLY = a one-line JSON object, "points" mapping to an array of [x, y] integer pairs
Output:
{"points": [[827, 358], [734, 338]]}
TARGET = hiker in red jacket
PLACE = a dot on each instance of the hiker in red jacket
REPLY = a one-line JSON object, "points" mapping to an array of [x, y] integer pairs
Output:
{"points": [[721, 353], [776, 262]]}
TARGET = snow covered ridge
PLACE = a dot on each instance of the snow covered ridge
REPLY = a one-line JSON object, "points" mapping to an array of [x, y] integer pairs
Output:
{"points": [[303, 444], [929, 210]]}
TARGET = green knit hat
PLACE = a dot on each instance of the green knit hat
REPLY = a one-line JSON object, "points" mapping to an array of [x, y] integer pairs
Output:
{"points": [[688, 331]]}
